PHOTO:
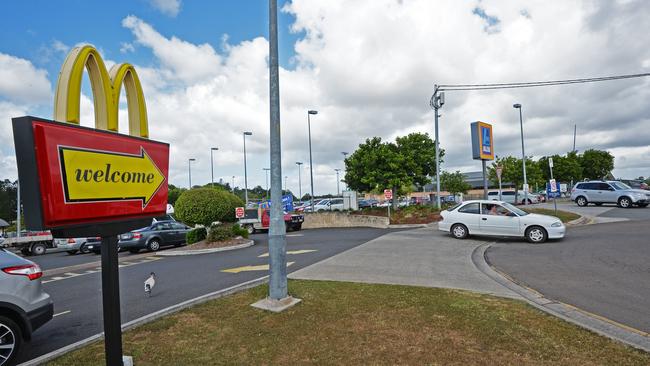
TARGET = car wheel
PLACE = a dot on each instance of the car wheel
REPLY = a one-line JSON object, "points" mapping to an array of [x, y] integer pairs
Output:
{"points": [[83, 249], [250, 228], [459, 231], [134, 251], [581, 201], [297, 227], [536, 234], [38, 249], [11, 339], [624, 202], [153, 245], [72, 252]]}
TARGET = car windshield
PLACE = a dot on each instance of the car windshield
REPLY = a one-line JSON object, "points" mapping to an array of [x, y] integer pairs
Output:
{"points": [[514, 209], [620, 186], [454, 206]]}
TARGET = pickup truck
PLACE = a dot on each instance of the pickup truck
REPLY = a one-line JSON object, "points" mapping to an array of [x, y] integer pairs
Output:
{"points": [[259, 219], [30, 243]]}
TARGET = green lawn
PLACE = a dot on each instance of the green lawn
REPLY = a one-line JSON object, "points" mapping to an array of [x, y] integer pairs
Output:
{"points": [[565, 216], [352, 324]]}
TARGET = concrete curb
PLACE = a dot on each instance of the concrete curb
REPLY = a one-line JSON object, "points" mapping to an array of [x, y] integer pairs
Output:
{"points": [[406, 226], [580, 221], [595, 323], [148, 318], [172, 253]]}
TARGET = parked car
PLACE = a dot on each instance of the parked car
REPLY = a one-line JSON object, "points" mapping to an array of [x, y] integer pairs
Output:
{"points": [[371, 202], [599, 192], [329, 204], [509, 196], [74, 245], [152, 238], [94, 244], [635, 184], [24, 306], [419, 200], [498, 218], [257, 220]]}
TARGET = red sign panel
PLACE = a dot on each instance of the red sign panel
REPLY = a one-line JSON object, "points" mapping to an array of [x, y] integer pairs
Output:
{"points": [[239, 212], [89, 176], [388, 194]]}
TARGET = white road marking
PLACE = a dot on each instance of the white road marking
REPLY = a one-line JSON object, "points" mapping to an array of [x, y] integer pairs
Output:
{"points": [[97, 269], [61, 313]]}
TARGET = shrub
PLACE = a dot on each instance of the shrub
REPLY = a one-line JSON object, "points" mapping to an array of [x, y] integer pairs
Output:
{"points": [[206, 205], [219, 233], [196, 235], [237, 230]]}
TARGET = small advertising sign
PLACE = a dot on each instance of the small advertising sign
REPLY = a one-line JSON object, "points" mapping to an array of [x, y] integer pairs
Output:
{"points": [[482, 142]]}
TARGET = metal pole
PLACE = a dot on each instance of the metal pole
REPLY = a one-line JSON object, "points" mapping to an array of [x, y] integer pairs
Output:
{"points": [[345, 154], [299, 181], [285, 183], [436, 102], [277, 231], [245, 170], [485, 183], [189, 169], [575, 127], [337, 182], [311, 166], [18, 208], [233, 184], [211, 168], [111, 302], [500, 190], [554, 202], [266, 172], [523, 153]]}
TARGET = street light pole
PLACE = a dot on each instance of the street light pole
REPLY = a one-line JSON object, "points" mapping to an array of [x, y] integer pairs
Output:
{"points": [[437, 100], [246, 133], [337, 181], [311, 166], [523, 153], [233, 184], [266, 170], [212, 164], [345, 154], [189, 168], [299, 163], [285, 183]]}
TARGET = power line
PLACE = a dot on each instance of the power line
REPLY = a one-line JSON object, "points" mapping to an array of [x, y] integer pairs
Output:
{"points": [[461, 87]]}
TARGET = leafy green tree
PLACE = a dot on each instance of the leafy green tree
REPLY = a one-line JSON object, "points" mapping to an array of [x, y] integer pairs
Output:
{"points": [[378, 165], [173, 193], [454, 183], [8, 197], [565, 168], [596, 164], [513, 172]]}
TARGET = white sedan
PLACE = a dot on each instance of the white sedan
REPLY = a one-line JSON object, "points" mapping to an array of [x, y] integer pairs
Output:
{"points": [[498, 218]]}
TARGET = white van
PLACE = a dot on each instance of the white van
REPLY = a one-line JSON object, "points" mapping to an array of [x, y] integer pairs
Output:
{"points": [[509, 196]]}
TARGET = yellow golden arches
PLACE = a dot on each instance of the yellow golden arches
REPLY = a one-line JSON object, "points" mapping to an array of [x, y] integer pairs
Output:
{"points": [[106, 92]]}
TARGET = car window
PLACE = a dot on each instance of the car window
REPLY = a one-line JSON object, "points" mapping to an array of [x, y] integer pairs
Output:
{"points": [[178, 226], [604, 187], [515, 209], [589, 186], [620, 186], [472, 208], [494, 209], [454, 206], [493, 193], [508, 193], [337, 201]]}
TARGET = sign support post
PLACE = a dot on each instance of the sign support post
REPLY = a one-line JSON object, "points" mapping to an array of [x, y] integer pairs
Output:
{"points": [[550, 166], [485, 184], [499, 170], [111, 302]]}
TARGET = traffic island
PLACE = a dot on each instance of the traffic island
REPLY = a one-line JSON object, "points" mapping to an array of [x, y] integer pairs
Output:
{"points": [[353, 323]]}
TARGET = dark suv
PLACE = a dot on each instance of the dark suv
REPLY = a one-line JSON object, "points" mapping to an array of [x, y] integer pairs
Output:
{"points": [[152, 238]]}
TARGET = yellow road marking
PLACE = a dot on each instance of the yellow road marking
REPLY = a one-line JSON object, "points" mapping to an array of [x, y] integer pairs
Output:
{"points": [[291, 252], [263, 267]]}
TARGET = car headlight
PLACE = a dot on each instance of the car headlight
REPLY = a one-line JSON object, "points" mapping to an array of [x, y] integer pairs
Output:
{"points": [[556, 224]]}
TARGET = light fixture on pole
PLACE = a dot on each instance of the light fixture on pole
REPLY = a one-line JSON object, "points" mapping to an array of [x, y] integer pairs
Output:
{"points": [[189, 168], [246, 133], [437, 101], [345, 154], [337, 181], [299, 163], [311, 166], [267, 181], [212, 164], [523, 153]]}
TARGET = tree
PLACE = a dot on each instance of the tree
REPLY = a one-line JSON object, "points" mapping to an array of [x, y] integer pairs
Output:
{"points": [[173, 193], [565, 168], [378, 165], [8, 197], [513, 172], [206, 205], [596, 164], [454, 183]]}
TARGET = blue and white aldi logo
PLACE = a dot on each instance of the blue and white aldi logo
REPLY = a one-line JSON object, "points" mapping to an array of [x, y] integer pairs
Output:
{"points": [[486, 147]]}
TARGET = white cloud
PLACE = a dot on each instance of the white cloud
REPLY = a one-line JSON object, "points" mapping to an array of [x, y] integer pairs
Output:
{"points": [[22, 82], [126, 47], [167, 7]]}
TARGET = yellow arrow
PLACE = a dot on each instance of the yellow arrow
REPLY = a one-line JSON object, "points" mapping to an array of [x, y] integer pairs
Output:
{"points": [[263, 267], [291, 252], [91, 175]]}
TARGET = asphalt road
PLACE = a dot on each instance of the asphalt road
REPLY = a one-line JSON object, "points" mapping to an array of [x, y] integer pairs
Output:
{"points": [[63, 259], [77, 295], [603, 269]]}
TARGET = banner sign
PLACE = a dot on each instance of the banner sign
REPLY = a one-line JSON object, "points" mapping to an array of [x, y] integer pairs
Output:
{"points": [[287, 203], [82, 175], [482, 142]]}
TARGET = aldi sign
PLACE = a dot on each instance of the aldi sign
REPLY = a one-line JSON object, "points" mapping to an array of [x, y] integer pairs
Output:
{"points": [[482, 143]]}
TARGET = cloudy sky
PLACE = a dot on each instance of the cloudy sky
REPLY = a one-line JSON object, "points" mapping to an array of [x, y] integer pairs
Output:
{"points": [[368, 67]]}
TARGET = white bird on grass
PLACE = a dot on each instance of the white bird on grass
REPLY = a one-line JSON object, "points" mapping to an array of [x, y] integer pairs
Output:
{"points": [[149, 283]]}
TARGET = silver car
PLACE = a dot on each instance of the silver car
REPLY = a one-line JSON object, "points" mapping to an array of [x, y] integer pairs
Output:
{"points": [[599, 192], [74, 245], [24, 306]]}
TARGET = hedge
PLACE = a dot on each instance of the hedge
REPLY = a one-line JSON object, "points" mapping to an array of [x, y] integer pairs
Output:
{"points": [[196, 235], [206, 205]]}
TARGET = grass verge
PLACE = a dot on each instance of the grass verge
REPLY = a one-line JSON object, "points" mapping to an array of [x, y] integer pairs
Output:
{"points": [[564, 216], [352, 324]]}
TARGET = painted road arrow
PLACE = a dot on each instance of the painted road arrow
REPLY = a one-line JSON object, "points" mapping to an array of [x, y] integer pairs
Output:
{"points": [[94, 175], [263, 267], [302, 251]]}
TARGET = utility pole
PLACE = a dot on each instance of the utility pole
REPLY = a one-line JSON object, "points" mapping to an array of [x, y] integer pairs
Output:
{"points": [[299, 163], [246, 133], [18, 208], [311, 165], [575, 128], [345, 154], [523, 153], [266, 170], [337, 182], [189, 169], [437, 101], [212, 164]]}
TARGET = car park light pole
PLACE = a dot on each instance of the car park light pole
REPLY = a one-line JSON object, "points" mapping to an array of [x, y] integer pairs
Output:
{"points": [[311, 166], [299, 163], [189, 169], [246, 133], [345, 154], [266, 171], [437, 101], [523, 153], [212, 164], [337, 181]]}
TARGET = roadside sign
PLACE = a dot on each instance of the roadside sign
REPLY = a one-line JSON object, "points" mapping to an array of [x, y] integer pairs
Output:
{"points": [[482, 142], [388, 194], [550, 162], [82, 175], [239, 212], [553, 185], [549, 192], [499, 170]]}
